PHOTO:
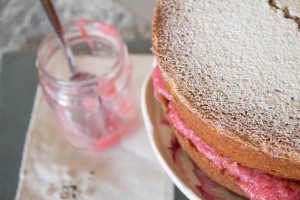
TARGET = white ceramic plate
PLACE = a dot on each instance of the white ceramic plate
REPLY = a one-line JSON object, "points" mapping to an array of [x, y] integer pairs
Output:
{"points": [[183, 172]]}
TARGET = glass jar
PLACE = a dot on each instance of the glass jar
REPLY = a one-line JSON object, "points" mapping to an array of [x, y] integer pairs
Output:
{"points": [[96, 112]]}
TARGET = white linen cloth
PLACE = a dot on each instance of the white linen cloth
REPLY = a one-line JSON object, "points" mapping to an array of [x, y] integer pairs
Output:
{"points": [[53, 169]]}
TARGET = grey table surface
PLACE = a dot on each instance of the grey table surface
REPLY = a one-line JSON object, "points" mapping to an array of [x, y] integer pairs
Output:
{"points": [[18, 82], [23, 22]]}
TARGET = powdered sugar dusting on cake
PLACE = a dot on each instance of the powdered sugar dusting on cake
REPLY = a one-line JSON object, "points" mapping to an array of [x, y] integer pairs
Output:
{"points": [[292, 6], [238, 65]]}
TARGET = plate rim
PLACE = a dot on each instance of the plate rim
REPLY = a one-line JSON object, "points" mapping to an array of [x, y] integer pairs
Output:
{"points": [[155, 143]]}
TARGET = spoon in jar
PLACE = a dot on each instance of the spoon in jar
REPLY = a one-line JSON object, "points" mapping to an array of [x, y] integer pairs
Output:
{"points": [[76, 74]]}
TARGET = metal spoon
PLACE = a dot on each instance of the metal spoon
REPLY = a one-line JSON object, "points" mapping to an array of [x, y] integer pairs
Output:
{"points": [[59, 33]]}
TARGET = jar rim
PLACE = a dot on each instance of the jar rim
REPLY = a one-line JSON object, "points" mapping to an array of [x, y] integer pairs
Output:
{"points": [[50, 37]]}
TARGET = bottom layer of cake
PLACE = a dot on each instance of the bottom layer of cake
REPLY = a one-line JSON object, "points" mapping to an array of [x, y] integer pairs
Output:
{"points": [[220, 176], [250, 182]]}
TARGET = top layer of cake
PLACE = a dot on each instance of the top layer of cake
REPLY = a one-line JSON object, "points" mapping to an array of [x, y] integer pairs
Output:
{"points": [[236, 64]]}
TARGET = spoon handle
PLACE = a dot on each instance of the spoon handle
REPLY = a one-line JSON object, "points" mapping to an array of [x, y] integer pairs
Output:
{"points": [[58, 31]]}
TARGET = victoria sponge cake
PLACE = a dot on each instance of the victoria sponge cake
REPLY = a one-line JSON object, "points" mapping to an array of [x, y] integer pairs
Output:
{"points": [[228, 77]]}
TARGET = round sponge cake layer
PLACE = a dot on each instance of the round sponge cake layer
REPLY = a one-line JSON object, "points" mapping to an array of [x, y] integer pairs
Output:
{"points": [[233, 70]]}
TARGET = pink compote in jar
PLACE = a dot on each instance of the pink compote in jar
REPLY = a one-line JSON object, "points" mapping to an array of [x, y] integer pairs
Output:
{"points": [[99, 111]]}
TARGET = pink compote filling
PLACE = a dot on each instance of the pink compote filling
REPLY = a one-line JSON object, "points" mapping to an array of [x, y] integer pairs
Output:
{"points": [[256, 185]]}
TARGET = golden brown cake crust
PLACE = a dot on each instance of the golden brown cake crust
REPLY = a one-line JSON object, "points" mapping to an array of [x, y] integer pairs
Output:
{"points": [[235, 149], [232, 147], [221, 177]]}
